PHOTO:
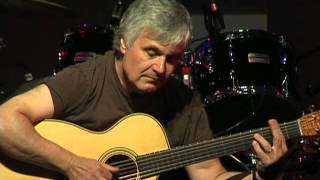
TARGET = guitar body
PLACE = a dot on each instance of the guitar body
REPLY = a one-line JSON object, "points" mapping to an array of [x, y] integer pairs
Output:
{"points": [[133, 135]]}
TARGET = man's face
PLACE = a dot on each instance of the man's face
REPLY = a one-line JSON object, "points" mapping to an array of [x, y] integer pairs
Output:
{"points": [[148, 64]]}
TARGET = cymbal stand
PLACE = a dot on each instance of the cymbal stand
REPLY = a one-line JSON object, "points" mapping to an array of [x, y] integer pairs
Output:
{"points": [[253, 165]]}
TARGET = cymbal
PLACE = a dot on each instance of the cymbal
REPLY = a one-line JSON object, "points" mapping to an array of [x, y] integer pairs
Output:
{"points": [[49, 3], [30, 4]]}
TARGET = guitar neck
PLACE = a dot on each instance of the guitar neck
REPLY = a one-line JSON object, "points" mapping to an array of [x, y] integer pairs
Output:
{"points": [[156, 163]]}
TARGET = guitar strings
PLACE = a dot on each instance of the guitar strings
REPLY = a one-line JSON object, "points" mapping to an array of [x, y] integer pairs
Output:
{"points": [[143, 159], [210, 152], [186, 162], [297, 132], [230, 138]]}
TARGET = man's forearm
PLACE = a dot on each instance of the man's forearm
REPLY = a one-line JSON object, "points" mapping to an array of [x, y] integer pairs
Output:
{"points": [[19, 140]]}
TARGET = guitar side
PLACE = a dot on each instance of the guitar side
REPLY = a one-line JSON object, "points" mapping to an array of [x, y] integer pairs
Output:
{"points": [[133, 135]]}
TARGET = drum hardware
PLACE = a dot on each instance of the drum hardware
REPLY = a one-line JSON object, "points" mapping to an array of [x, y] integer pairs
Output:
{"points": [[183, 72], [3, 94], [82, 43], [85, 41], [311, 108], [2, 43], [285, 89], [2, 91], [232, 77], [28, 76], [186, 68], [117, 13], [253, 165]]}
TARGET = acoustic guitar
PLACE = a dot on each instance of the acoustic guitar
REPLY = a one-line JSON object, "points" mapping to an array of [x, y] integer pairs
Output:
{"points": [[138, 145]]}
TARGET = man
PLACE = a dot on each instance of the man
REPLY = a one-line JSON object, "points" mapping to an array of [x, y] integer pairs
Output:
{"points": [[152, 36]]}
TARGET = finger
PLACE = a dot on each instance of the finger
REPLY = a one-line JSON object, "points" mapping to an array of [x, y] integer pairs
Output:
{"points": [[259, 151], [278, 138], [106, 171], [279, 141], [266, 146], [113, 169]]}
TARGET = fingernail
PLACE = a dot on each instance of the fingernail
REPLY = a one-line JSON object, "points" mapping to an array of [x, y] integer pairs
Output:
{"points": [[254, 143]]}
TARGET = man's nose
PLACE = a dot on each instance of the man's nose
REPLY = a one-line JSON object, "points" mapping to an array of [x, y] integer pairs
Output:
{"points": [[160, 65]]}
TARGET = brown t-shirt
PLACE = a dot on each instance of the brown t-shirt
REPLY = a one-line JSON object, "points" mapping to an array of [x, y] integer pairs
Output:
{"points": [[90, 94]]}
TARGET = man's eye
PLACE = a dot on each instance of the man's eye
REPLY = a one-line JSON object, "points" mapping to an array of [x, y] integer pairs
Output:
{"points": [[151, 53]]}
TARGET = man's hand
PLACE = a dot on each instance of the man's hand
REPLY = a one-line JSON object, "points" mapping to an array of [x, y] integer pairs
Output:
{"points": [[89, 169], [267, 153]]}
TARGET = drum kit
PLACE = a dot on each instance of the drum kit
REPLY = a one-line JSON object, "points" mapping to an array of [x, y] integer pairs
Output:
{"points": [[244, 77]]}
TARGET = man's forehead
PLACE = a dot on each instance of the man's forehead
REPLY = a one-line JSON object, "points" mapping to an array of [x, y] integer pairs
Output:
{"points": [[153, 41], [161, 37]]}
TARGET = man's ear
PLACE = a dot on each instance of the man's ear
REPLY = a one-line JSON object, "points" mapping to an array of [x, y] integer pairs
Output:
{"points": [[123, 47]]}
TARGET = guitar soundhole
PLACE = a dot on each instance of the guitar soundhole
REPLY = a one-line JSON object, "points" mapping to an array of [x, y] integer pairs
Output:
{"points": [[128, 167]]}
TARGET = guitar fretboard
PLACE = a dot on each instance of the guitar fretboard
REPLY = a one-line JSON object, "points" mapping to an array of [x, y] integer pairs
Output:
{"points": [[159, 162]]}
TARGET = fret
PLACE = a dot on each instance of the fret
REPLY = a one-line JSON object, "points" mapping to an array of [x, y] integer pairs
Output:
{"points": [[215, 148]]}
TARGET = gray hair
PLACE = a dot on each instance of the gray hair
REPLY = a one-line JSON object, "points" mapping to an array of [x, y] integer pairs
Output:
{"points": [[167, 20]]}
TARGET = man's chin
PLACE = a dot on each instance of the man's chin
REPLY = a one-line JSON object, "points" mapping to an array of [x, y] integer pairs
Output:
{"points": [[150, 88]]}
